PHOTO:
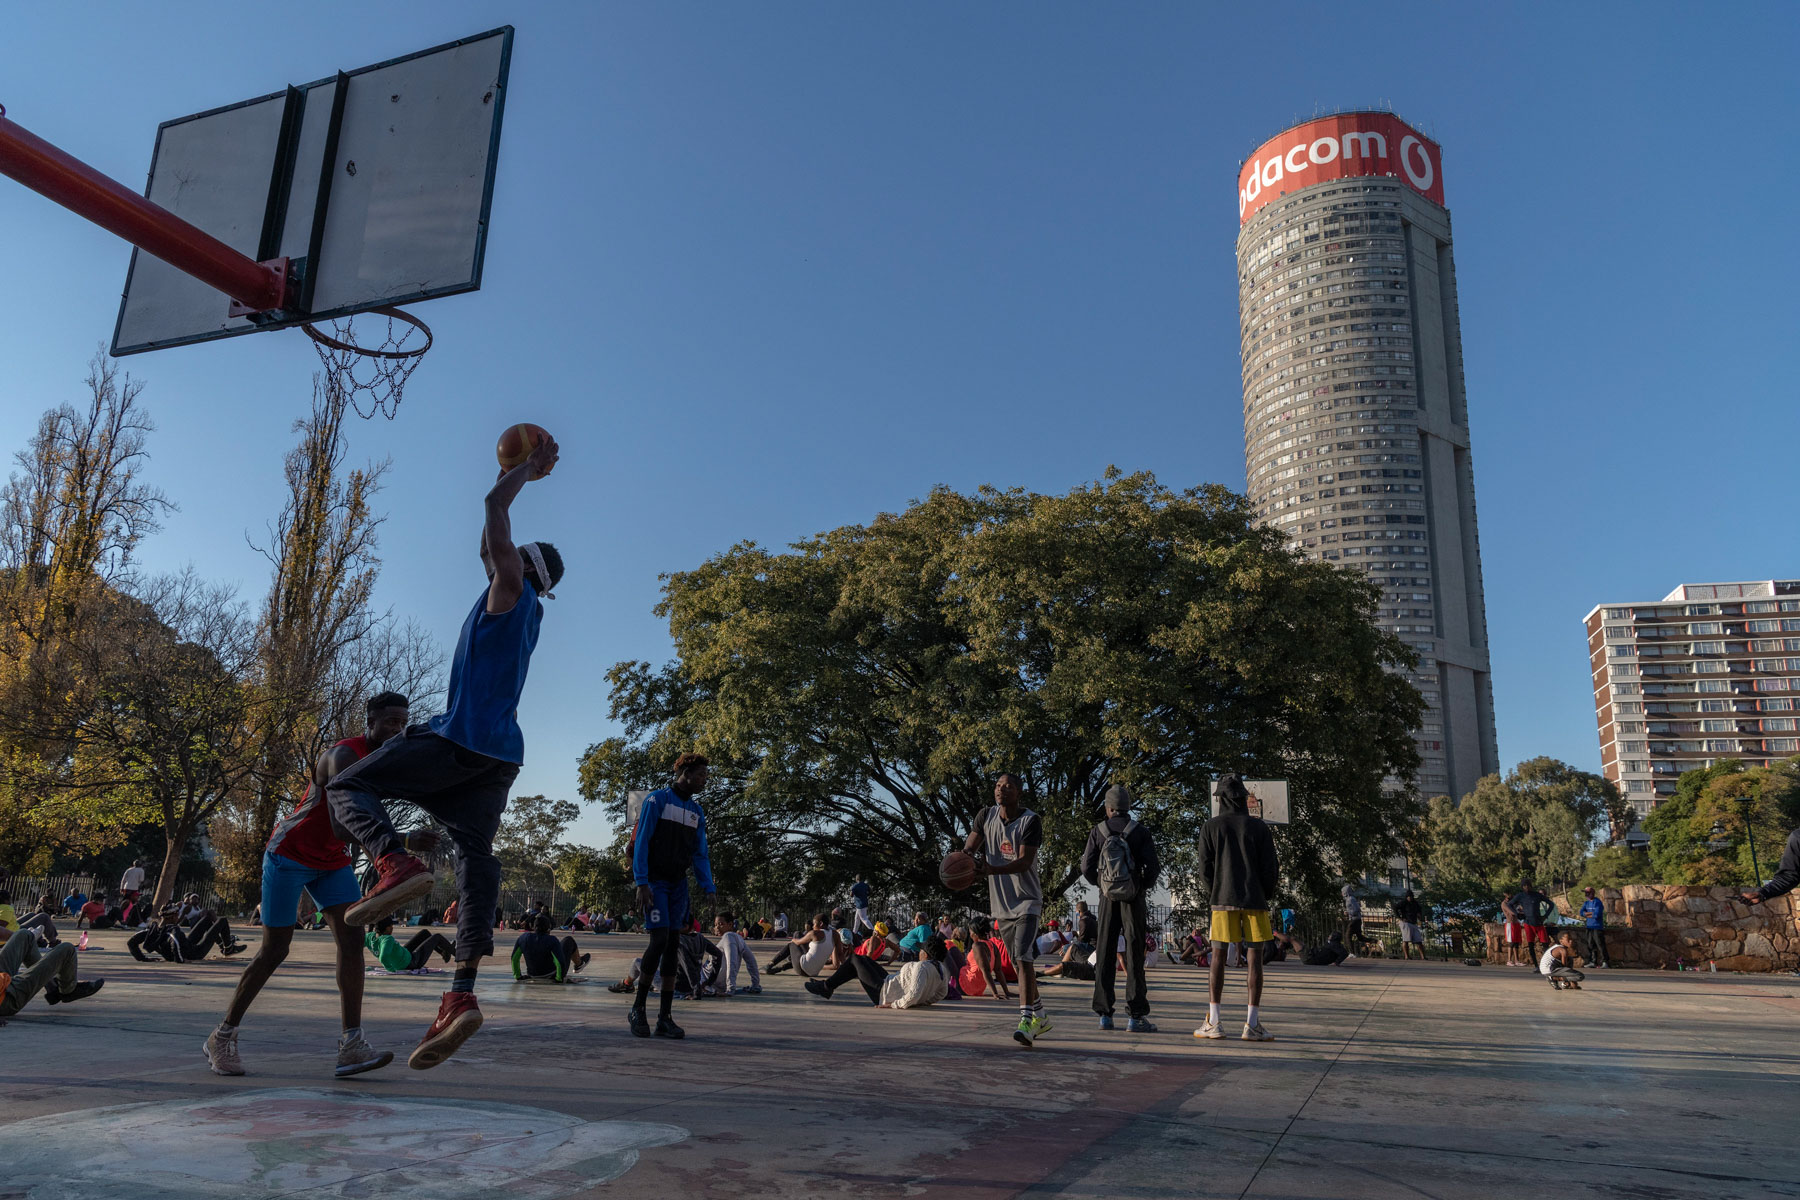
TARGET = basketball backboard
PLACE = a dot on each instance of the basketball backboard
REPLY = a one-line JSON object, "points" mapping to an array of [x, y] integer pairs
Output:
{"points": [[375, 184], [1268, 800]]}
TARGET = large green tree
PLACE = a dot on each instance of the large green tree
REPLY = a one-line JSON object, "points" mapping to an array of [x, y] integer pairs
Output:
{"points": [[859, 692], [1702, 834], [1538, 822]]}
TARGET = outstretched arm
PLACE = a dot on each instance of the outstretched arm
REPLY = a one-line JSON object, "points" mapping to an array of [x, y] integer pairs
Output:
{"points": [[507, 582]]}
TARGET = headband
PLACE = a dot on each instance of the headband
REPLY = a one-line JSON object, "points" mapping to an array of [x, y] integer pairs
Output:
{"points": [[536, 558]]}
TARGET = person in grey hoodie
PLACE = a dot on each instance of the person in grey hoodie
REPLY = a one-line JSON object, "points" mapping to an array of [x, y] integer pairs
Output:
{"points": [[1239, 876]]}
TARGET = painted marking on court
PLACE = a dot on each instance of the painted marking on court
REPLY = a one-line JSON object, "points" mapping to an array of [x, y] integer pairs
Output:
{"points": [[265, 1143]]}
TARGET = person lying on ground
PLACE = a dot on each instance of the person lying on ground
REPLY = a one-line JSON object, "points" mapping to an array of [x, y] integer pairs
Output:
{"points": [[166, 937], [26, 970], [540, 954], [1332, 953], [1558, 963], [918, 983], [1075, 963], [414, 954]]}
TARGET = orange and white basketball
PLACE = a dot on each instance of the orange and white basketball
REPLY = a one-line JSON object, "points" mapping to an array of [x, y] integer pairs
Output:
{"points": [[517, 443]]}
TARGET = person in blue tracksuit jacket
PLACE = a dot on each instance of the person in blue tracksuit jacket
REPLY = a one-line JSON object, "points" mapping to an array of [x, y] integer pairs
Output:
{"points": [[670, 837]]}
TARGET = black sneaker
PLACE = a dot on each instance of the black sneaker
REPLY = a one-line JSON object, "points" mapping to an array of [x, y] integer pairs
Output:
{"points": [[666, 1027], [81, 991], [238, 948], [817, 987], [640, 1024], [582, 961]]}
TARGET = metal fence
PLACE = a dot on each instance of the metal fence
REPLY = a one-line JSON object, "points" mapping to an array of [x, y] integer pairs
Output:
{"points": [[25, 889]]}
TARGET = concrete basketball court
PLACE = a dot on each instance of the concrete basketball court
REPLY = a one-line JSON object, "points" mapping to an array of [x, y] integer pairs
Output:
{"points": [[1389, 1079]]}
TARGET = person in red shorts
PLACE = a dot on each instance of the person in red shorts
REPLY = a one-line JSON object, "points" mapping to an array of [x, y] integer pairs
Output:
{"points": [[306, 852], [1531, 907]]}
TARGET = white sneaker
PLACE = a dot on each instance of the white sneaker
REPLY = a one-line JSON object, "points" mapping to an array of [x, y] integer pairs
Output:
{"points": [[1209, 1030], [1256, 1033], [222, 1054]]}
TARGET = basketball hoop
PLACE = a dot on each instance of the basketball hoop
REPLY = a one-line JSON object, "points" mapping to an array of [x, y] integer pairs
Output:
{"points": [[372, 368]]}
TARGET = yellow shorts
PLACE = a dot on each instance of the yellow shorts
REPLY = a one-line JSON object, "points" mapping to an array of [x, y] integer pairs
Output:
{"points": [[1241, 925]]}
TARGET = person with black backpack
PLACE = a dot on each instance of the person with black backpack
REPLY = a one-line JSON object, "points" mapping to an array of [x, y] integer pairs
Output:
{"points": [[1121, 861]]}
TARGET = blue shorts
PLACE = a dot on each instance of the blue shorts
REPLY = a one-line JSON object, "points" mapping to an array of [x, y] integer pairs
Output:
{"points": [[283, 878], [668, 906]]}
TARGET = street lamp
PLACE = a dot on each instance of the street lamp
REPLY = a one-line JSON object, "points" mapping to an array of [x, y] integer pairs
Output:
{"points": [[1750, 830]]}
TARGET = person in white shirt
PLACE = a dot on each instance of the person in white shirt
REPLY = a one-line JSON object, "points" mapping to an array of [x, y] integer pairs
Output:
{"points": [[1558, 964], [1050, 944], [917, 984], [781, 924], [737, 953], [133, 880]]}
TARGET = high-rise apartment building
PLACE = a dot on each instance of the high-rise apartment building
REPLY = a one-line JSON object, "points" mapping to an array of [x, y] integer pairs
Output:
{"points": [[1710, 671], [1356, 426]]}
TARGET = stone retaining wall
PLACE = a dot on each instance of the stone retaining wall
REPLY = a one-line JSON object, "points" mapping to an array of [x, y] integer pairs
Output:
{"points": [[1653, 925]]}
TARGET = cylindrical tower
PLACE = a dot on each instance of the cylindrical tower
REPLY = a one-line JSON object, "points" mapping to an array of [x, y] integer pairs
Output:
{"points": [[1356, 427]]}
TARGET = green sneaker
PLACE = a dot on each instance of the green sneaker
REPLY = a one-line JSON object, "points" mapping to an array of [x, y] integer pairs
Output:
{"points": [[1022, 1034], [1040, 1026]]}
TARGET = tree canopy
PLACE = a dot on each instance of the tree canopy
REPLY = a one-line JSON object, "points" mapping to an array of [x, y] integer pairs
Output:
{"points": [[1537, 822], [859, 692], [1701, 834]]}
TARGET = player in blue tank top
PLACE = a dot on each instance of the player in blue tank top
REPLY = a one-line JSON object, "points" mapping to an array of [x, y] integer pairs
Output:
{"points": [[460, 766]]}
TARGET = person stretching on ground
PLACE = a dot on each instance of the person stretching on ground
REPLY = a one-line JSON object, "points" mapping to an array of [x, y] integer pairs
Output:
{"points": [[25, 970], [1331, 954], [736, 950], [670, 838], [411, 956], [540, 954], [985, 966], [1073, 964], [923, 981], [1238, 876], [97, 915], [809, 953], [306, 856], [166, 937], [1558, 963], [882, 946]]}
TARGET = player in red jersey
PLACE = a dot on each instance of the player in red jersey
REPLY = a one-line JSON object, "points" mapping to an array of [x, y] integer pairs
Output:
{"points": [[306, 851]]}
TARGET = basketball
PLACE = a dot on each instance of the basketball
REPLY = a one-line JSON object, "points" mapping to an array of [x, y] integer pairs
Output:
{"points": [[957, 870], [517, 443]]}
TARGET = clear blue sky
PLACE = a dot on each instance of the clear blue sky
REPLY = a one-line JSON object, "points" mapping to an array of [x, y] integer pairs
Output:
{"points": [[768, 269]]}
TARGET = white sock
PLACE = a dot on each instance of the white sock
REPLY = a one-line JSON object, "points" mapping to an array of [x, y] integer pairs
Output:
{"points": [[1212, 1013], [1250, 1017]]}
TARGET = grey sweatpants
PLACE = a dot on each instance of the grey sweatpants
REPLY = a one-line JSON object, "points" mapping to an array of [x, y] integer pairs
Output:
{"points": [[31, 969], [465, 792]]}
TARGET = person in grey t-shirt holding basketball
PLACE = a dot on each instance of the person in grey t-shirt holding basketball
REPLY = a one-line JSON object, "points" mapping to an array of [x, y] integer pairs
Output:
{"points": [[1004, 845]]}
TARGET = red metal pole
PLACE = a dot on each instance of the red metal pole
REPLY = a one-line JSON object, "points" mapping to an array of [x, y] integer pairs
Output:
{"points": [[154, 229]]}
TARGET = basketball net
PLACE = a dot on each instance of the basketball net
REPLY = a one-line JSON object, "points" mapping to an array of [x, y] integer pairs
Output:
{"points": [[370, 366]]}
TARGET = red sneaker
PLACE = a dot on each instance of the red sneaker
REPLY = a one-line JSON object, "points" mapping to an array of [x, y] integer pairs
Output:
{"points": [[457, 1020], [401, 880]]}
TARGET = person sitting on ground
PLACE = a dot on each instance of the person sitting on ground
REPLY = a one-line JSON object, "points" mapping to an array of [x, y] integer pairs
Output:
{"points": [[9, 919], [409, 957], [780, 927], [1075, 963], [914, 939], [809, 953], [1331, 954], [1558, 963], [43, 920], [26, 970], [540, 954], [736, 954], [985, 969], [697, 959], [97, 914], [881, 945], [166, 937], [1050, 943], [73, 902], [920, 982], [1279, 947]]}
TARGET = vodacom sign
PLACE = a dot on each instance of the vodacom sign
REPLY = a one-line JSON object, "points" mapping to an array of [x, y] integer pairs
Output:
{"points": [[1341, 147]]}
